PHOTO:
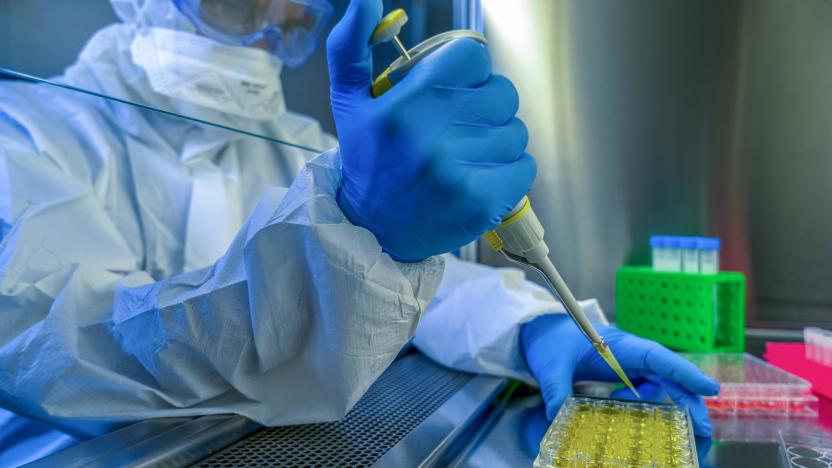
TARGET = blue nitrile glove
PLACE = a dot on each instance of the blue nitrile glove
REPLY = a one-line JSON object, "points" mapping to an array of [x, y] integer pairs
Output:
{"points": [[558, 354], [437, 160]]}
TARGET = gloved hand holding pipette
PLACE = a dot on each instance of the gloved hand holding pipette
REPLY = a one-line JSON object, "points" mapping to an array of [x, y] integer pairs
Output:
{"points": [[436, 161]]}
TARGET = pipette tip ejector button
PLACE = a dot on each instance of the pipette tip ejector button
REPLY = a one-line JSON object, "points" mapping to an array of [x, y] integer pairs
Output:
{"points": [[388, 29]]}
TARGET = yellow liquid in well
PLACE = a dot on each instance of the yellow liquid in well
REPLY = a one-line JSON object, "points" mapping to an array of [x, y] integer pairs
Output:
{"points": [[597, 432]]}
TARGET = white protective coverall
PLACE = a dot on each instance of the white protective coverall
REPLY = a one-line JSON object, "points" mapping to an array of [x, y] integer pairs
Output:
{"points": [[151, 266]]}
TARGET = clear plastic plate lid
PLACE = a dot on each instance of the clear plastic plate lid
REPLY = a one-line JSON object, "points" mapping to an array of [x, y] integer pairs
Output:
{"points": [[743, 374]]}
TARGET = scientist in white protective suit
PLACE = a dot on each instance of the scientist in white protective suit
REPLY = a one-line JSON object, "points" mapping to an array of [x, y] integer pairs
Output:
{"points": [[151, 266]]}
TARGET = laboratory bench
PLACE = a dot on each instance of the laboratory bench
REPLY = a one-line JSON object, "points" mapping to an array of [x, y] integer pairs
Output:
{"points": [[416, 414]]}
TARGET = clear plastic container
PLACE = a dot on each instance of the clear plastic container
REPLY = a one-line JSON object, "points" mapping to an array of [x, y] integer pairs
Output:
{"points": [[811, 336], [690, 254], [806, 450], [818, 345], [752, 386], [602, 432], [667, 256], [708, 249]]}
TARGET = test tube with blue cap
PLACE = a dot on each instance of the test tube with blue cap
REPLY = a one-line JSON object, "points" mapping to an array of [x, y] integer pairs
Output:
{"points": [[667, 255], [708, 248], [689, 254]]}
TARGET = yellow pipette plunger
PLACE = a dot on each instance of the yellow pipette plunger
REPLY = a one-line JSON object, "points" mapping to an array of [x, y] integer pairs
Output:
{"points": [[388, 30], [519, 237]]}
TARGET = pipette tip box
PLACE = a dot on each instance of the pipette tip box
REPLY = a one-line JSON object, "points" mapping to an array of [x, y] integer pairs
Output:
{"points": [[602, 432], [751, 386]]}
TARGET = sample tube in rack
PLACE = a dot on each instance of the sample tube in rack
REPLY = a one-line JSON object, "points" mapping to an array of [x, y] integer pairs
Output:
{"points": [[708, 248]]}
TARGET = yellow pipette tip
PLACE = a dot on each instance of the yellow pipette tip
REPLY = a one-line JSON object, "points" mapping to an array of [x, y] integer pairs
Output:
{"points": [[610, 359]]}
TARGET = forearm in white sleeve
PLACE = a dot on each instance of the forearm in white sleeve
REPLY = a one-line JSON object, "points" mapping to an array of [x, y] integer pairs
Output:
{"points": [[473, 323], [290, 326]]}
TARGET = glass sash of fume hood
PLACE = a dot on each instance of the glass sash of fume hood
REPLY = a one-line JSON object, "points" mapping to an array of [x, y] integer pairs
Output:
{"points": [[6, 73]]}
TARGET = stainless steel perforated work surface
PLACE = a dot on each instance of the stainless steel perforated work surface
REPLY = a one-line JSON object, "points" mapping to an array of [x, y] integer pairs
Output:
{"points": [[404, 396]]}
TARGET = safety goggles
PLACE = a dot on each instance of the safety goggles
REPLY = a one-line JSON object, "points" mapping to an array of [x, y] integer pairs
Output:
{"points": [[289, 29]]}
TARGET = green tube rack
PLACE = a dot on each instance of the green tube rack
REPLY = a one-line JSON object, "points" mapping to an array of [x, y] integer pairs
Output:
{"points": [[683, 311]]}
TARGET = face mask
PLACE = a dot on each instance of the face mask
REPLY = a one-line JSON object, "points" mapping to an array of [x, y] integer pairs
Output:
{"points": [[238, 80]]}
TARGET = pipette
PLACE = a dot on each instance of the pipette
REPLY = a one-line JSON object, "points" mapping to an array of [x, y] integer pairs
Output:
{"points": [[519, 238]]}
